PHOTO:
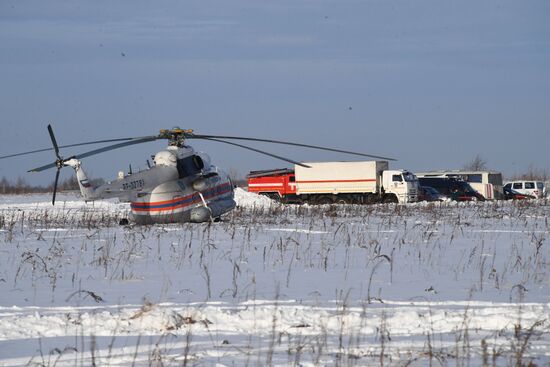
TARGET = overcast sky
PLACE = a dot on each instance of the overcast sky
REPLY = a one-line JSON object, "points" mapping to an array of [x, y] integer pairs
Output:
{"points": [[431, 83]]}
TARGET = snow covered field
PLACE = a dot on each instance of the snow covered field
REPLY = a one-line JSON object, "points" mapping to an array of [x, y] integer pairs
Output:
{"points": [[421, 284]]}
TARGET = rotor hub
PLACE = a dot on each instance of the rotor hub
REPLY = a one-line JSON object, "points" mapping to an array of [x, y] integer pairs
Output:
{"points": [[176, 136], [59, 163]]}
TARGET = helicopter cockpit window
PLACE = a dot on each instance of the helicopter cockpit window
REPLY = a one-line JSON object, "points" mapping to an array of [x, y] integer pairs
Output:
{"points": [[189, 166], [197, 160]]}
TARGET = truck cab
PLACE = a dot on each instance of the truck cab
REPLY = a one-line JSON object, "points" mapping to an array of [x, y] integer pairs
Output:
{"points": [[276, 184], [400, 186]]}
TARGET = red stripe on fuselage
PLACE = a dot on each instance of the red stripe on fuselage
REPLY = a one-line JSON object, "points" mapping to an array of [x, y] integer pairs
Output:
{"points": [[216, 191]]}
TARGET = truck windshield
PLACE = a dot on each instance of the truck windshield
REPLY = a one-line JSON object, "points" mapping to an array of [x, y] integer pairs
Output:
{"points": [[409, 177]]}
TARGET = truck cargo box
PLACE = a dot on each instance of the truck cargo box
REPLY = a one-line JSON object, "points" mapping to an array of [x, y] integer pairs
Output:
{"points": [[339, 177]]}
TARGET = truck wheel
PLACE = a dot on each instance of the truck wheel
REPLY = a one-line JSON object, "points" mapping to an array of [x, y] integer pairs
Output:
{"points": [[271, 195], [324, 200], [390, 198]]}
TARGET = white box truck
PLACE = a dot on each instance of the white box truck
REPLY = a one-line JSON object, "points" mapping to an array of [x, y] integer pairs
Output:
{"points": [[337, 182]]}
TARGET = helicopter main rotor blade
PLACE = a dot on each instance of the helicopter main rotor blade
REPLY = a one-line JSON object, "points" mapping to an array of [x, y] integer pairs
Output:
{"points": [[55, 146], [100, 150], [55, 184], [257, 151], [68, 146], [193, 136], [145, 139]]}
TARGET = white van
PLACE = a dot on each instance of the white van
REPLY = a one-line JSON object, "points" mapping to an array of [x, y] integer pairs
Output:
{"points": [[533, 188]]}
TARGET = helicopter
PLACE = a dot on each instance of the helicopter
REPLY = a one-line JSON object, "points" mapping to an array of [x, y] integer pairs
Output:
{"points": [[182, 185]]}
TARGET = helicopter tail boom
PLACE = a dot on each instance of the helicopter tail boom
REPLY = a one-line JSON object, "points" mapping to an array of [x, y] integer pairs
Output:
{"points": [[86, 188]]}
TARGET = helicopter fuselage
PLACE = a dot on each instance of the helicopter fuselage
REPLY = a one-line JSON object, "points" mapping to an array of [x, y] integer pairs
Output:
{"points": [[182, 186]]}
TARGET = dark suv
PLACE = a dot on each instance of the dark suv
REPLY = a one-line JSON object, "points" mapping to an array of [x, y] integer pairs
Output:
{"points": [[454, 188]]}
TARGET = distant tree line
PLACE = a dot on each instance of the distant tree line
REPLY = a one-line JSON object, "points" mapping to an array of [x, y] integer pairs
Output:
{"points": [[20, 186], [237, 178], [478, 163], [533, 173]]}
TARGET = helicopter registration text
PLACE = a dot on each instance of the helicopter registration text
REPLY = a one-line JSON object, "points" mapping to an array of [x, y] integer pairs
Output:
{"points": [[132, 185]]}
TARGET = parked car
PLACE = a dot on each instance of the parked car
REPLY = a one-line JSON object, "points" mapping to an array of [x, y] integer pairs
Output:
{"points": [[487, 183], [427, 193], [529, 187], [453, 188], [511, 194]]}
